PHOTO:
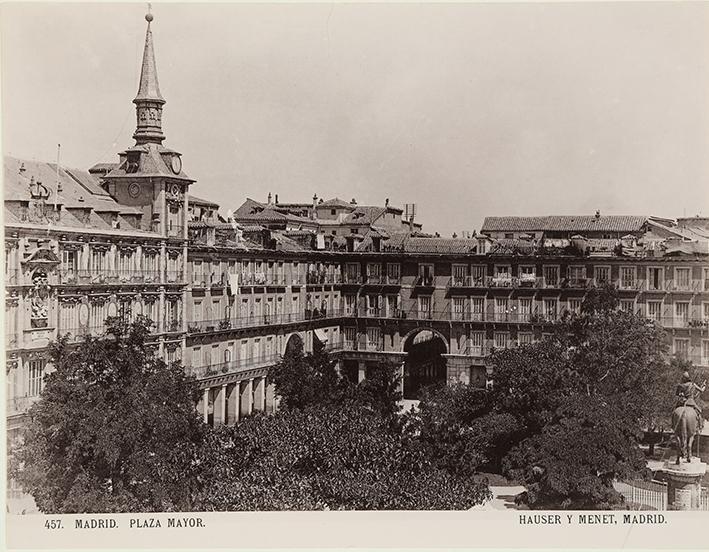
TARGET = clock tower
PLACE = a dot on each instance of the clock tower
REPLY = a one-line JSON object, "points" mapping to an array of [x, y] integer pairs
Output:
{"points": [[149, 179]]}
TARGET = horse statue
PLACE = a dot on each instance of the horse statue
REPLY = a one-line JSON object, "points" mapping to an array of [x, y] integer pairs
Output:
{"points": [[686, 424], [687, 415]]}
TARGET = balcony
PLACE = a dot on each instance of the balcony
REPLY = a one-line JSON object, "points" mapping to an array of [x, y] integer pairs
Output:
{"points": [[233, 367], [79, 333], [425, 282], [467, 282], [682, 322], [92, 277], [689, 286], [352, 279], [260, 320]]}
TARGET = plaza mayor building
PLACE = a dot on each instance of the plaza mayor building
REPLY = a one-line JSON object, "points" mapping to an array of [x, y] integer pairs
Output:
{"points": [[230, 293]]}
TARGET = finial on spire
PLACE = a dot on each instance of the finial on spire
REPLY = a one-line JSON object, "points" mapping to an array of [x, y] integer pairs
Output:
{"points": [[149, 101]]}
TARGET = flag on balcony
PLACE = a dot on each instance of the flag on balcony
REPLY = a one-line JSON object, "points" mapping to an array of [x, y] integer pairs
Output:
{"points": [[234, 284]]}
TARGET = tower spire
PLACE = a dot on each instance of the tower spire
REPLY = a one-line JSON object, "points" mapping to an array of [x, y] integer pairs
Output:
{"points": [[148, 102]]}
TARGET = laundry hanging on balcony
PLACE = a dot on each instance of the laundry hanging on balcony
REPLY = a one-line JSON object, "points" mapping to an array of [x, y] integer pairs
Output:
{"points": [[321, 335]]}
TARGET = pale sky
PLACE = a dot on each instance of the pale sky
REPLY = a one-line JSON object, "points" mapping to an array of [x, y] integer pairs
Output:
{"points": [[466, 110]]}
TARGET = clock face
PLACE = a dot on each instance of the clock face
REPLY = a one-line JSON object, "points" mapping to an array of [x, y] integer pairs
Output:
{"points": [[175, 190], [176, 164], [133, 189]]}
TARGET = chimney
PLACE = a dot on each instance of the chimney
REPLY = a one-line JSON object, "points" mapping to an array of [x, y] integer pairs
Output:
{"points": [[269, 198], [22, 168], [598, 214], [353, 202], [386, 202], [276, 199]]}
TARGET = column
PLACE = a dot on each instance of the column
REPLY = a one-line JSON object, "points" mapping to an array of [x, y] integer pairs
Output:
{"points": [[401, 379], [205, 405], [247, 395], [362, 373], [260, 394], [250, 396], [233, 404], [220, 406]]}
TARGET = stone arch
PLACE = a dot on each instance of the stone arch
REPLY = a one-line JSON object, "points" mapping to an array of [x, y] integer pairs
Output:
{"points": [[425, 364], [292, 340], [407, 339]]}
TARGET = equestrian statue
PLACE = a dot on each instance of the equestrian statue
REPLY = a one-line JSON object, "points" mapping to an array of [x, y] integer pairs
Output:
{"points": [[687, 419]]}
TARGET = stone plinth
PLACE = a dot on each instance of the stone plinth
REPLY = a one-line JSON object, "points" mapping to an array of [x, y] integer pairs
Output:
{"points": [[683, 484]]}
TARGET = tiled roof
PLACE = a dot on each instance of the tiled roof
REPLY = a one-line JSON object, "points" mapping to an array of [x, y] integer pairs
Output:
{"points": [[561, 223], [336, 202], [151, 164], [364, 215], [194, 200], [440, 245]]}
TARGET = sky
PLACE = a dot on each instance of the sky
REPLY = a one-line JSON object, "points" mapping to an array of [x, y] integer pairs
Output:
{"points": [[467, 110]]}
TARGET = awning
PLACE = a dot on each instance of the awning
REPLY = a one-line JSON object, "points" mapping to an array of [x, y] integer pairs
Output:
{"points": [[321, 335]]}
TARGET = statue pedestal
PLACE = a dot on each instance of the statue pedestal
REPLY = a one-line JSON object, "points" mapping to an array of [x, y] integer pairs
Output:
{"points": [[683, 484]]}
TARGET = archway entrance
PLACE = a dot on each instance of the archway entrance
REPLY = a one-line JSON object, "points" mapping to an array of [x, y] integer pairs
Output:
{"points": [[424, 364], [294, 342]]}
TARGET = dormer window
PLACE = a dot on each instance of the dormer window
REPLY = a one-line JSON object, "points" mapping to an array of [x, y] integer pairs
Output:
{"points": [[133, 162]]}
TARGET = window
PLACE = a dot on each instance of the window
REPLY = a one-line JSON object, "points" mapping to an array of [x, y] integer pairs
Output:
{"points": [[527, 275], [458, 308], [350, 337], [476, 343], [477, 308], [216, 309], [374, 273], [602, 274], [197, 356], [333, 212], [550, 309], [426, 274], [459, 274], [503, 275], [682, 278], [705, 272], [374, 339], [551, 276], [333, 232], [526, 338], [197, 272], [352, 273], [478, 275], [654, 310], [198, 311], [424, 306], [502, 340], [575, 305], [525, 309], [373, 305], [35, 373], [681, 347], [627, 305], [501, 308], [98, 260], [69, 266], [682, 311], [705, 312], [393, 306], [654, 278], [627, 277], [705, 351], [577, 275], [393, 273], [350, 304]]}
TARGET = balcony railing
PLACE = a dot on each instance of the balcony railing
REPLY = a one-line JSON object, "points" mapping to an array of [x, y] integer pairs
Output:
{"points": [[684, 285], [681, 322], [233, 366], [383, 280], [318, 278], [255, 321], [425, 281], [467, 282], [352, 279], [93, 277]]}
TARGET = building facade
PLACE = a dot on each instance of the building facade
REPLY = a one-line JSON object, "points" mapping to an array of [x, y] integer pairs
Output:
{"points": [[229, 296]]}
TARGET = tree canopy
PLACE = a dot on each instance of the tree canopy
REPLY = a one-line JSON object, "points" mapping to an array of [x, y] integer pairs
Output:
{"points": [[115, 428]]}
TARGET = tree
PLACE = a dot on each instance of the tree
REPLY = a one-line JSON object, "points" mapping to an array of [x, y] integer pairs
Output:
{"points": [[115, 428], [379, 391], [582, 396], [317, 458], [303, 380]]}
